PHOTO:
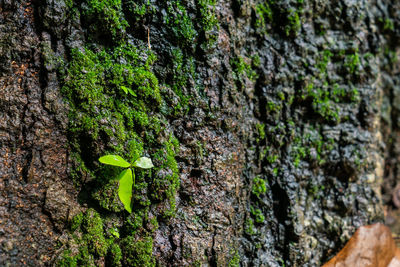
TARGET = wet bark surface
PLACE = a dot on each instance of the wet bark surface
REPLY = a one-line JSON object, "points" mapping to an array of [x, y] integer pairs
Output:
{"points": [[33, 146], [285, 113]]}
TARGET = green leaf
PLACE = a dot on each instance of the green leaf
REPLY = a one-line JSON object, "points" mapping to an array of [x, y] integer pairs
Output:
{"points": [[131, 92], [144, 163], [125, 188], [114, 160], [114, 232], [125, 89]]}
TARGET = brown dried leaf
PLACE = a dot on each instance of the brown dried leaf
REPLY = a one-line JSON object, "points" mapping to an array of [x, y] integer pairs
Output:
{"points": [[370, 246]]}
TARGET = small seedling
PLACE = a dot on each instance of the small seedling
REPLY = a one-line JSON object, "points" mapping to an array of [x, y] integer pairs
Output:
{"points": [[127, 177], [128, 90]]}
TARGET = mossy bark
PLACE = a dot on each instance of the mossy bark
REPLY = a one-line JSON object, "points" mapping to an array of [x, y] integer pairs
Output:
{"points": [[266, 122]]}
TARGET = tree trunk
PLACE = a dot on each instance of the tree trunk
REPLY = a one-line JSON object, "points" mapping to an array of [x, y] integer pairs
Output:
{"points": [[271, 126]]}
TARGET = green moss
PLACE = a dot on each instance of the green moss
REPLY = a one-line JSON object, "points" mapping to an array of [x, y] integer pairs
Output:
{"points": [[94, 235], [249, 227], [138, 252], [322, 103], [67, 260], [207, 13], [272, 158], [182, 70], [89, 238], [270, 16], [180, 23], [115, 256], [259, 186], [352, 62], [316, 190], [388, 24], [293, 22], [167, 185], [281, 96], [298, 151], [261, 131], [103, 113], [235, 260], [115, 107], [324, 59], [77, 221], [153, 224], [84, 257], [256, 60], [341, 94], [311, 139], [113, 232], [135, 221], [208, 20], [257, 214], [69, 4], [325, 96], [140, 10], [92, 85], [106, 16], [242, 70], [273, 107], [392, 55], [264, 15], [107, 197]]}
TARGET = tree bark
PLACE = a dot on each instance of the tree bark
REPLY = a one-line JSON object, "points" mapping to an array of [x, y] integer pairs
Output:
{"points": [[272, 126]]}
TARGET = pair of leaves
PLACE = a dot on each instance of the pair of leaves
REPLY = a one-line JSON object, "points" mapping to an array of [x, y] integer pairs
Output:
{"points": [[128, 90], [115, 160], [127, 177]]}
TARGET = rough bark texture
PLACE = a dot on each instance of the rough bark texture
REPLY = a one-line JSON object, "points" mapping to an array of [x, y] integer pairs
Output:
{"points": [[271, 125]]}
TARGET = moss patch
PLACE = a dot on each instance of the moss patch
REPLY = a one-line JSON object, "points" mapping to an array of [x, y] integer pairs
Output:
{"points": [[138, 252], [275, 16], [180, 23], [105, 17], [115, 108]]}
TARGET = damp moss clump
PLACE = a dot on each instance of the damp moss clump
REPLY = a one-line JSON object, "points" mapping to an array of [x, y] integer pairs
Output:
{"points": [[208, 21], [67, 260], [165, 185], [107, 197], [293, 22], [259, 187], [275, 16], [182, 70], [249, 227], [324, 94], [139, 10], [92, 226], [257, 214], [264, 15], [88, 241], [235, 260], [115, 255], [179, 22], [99, 107], [243, 69], [352, 62], [115, 101], [105, 16], [138, 252]]}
